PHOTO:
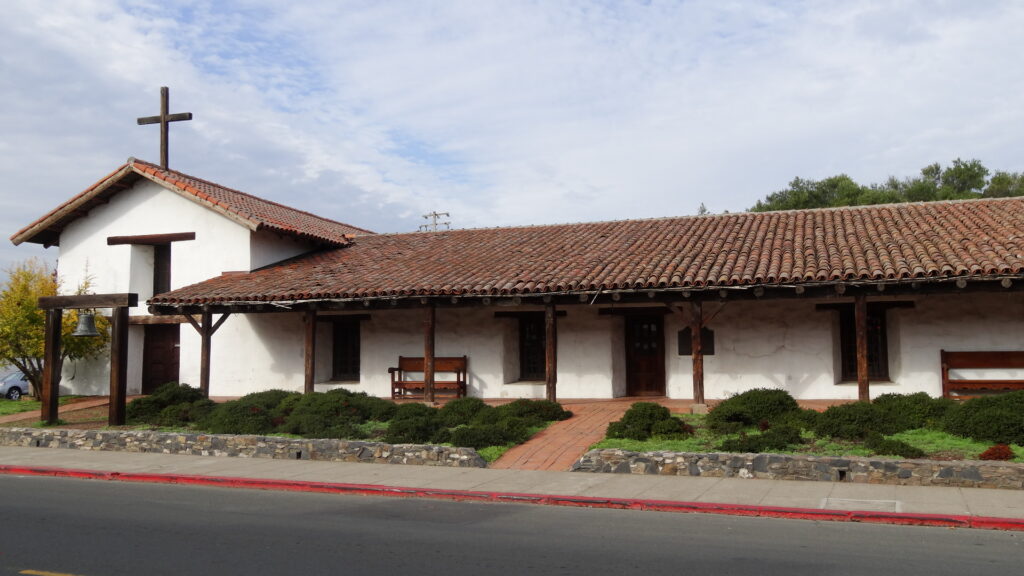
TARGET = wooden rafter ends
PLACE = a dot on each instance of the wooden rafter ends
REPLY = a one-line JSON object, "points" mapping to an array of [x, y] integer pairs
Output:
{"points": [[151, 239], [551, 351], [88, 301], [150, 320]]}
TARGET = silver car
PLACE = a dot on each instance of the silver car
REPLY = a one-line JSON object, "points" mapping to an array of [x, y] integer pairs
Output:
{"points": [[13, 385]]}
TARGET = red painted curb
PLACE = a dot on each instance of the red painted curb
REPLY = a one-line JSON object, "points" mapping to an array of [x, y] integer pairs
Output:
{"points": [[900, 518]]}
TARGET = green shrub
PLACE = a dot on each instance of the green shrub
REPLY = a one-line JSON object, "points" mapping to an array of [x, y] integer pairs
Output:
{"points": [[900, 412], [639, 421], [412, 430], [479, 436], [280, 413], [543, 410], [442, 436], [803, 419], [239, 417], [672, 428], [779, 437], [181, 415], [147, 410], [314, 414], [461, 411], [886, 447], [269, 399], [368, 407], [414, 410], [751, 407], [998, 418], [852, 421]]}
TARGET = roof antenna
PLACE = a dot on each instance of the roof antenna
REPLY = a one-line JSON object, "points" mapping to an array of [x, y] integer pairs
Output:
{"points": [[433, 224]]}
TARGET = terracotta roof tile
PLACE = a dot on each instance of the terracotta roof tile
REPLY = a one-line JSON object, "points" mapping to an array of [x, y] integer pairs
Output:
{"points": [[250, 211], [874, 243]]}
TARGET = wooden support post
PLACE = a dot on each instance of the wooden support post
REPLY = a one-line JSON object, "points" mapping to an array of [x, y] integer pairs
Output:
{"points": [[697, 350], [50, 393], [310, 350], [551, 351], [206, 335], [118, 367], [429, 322], [860, 312]]}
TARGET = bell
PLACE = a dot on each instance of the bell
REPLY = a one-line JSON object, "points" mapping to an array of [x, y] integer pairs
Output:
{"points": [[86, 325]]}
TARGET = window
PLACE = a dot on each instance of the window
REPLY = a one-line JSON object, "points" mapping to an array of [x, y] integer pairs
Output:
{"points": [[707, 341], [532, 347], [878, 347], [346, 349], [161, 268]]}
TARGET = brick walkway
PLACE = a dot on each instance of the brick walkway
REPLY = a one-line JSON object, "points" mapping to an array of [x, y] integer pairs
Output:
{"points": [[558, 446], [562, 443]]}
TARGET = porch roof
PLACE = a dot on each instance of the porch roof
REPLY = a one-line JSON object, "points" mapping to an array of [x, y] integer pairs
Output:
{"points": [[871, 244], [250, 211]]}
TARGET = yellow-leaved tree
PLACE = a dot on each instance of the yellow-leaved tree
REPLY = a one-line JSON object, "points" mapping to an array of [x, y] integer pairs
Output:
{"points": [[22, 323]]}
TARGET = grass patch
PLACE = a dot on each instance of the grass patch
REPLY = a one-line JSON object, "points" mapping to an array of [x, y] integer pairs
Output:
{"points": [[25, 405], [936, 444], [943, 444]]}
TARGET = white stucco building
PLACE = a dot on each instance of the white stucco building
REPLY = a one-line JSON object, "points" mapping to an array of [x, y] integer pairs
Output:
{"points": [[774, 295]]}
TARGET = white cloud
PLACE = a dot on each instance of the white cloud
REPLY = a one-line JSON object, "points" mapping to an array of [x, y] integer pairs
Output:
{"points": [[504, 112]]}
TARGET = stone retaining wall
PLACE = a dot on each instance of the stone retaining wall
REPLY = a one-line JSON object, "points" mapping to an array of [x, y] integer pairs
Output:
{"points": [[969, 473], [243, 446]]}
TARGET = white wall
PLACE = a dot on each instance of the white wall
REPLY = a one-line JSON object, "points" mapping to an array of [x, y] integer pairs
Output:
{"points": [[221, 245], [782, 343], [788, 344]]}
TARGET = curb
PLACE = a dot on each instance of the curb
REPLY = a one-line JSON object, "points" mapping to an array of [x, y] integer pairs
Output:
{"points": [[897, 518]]}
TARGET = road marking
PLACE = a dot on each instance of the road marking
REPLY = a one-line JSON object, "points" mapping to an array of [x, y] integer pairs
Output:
{"points": [[45, 573]]}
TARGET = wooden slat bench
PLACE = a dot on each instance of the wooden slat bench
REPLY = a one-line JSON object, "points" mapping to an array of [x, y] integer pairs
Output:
{"points": [[404, 387], [980, 360]]}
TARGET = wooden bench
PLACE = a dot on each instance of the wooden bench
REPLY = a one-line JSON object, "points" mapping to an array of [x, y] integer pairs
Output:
{"points": [[404, 387], [979, 360]]}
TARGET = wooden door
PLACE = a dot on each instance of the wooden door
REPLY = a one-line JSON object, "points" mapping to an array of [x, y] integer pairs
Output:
{"points": [[645, 355], [160, 356]]}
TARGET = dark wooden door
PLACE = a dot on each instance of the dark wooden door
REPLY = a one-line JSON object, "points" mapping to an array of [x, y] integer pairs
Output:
{"points": [[645, 356], [160, 356]]}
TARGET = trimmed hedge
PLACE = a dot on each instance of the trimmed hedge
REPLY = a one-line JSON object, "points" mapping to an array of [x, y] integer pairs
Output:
{"points": [[990, 419], [646, 419], [148, 410], [751, 408], [341, 413], [852, 421], [239, 417]]}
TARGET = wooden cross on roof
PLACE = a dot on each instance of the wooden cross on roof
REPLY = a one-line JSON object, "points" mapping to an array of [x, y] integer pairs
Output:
{"points": [[164, 119]]}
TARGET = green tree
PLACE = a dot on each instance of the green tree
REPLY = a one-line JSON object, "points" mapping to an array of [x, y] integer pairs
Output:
{"points": [[22, 323], [1005, 184], [963, 179]]}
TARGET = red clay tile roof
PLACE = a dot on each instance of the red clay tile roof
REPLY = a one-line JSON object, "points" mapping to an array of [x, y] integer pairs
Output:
{"points": [[873, 244], [249, 211]]}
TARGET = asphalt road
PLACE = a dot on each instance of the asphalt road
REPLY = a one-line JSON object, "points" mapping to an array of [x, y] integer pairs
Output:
{"points": [[94, 528]]}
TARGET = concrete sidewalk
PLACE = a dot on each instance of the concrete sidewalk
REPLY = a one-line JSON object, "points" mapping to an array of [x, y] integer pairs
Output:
{"points": [[937, 506]]}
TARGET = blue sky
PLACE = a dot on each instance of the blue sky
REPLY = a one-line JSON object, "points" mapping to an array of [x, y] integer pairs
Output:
{"points": [[503, 112]]}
